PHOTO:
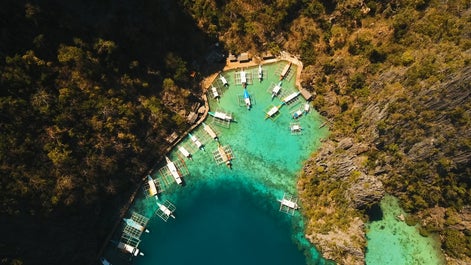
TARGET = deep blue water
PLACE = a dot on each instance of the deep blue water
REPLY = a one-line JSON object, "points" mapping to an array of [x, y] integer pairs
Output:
{"points": [[226, 224]]}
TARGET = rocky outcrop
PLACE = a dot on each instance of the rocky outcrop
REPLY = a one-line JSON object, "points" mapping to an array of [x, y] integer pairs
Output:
{"points": [[342, 245], [365, 191], [341, 181]]}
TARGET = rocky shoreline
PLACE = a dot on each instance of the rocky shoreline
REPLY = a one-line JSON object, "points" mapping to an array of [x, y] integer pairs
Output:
{"points": [[343, 190]]}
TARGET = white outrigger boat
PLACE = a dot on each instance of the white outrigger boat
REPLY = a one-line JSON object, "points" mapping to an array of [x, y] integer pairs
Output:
{"points": [[221, 115], [307, 107], [243, 78], [165, 210], [210, 131], [215, 93], [295, 128], [184, 152], [276, 90], [174, 171], [290, 97], [270, 113], [297, 114], [226, 157], [288, 204], [248, 104], [130, 249], [130, 222], [152, 188], [196, 141], [224, 81], [285, 71]]}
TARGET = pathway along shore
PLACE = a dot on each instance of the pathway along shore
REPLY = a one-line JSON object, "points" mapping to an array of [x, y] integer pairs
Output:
{"points": [[205, 85]]}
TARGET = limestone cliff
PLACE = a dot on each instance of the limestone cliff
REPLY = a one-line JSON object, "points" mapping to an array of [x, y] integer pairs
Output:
{"points": [[351, 171]]}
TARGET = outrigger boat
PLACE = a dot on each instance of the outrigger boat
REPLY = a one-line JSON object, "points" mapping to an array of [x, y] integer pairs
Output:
{"points": [[221, 115], [285, 71], [270, 113], [224, 81], [185, 152], [129, 249], [306, 107], [210, 131], [290, 97], [247, 99], [225, 156], [196, 141], [215, 93], [243, 78], [288, 204], [135, 225], [173, 170], [165, 210], [295, 128], [297, 114], [276, 90], [152, 187], [260, 73]]}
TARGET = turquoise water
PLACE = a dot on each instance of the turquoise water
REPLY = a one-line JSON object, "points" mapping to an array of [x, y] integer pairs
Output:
{"points": [[393, 242], [230, 216]]}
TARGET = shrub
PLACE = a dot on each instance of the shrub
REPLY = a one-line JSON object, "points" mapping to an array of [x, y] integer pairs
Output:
{"points": [[377, 56]]}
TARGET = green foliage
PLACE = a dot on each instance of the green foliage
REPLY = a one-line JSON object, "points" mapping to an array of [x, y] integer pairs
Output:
{"points": [[456, 244], [377, 56], [313, 9], [357, 81], [82, 117], [360, 46], [401, 25], [308, 55]]}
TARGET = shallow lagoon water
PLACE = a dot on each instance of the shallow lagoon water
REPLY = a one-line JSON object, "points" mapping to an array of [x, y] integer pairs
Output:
{"points": [[393, 242], [226, 216]]}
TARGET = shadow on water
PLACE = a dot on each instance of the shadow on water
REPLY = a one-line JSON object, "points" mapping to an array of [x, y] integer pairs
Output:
{"points": [[375, 213]]}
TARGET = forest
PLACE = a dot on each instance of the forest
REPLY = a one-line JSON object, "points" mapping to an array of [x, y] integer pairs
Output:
{"points": [[89, 92], [91, 89]]}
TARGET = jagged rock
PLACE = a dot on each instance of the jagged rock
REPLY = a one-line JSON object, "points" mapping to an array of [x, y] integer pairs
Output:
{"points": [[366, 191], [361, 148], [453, 261], [349, 242], [422, 149], [345, 143]]}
